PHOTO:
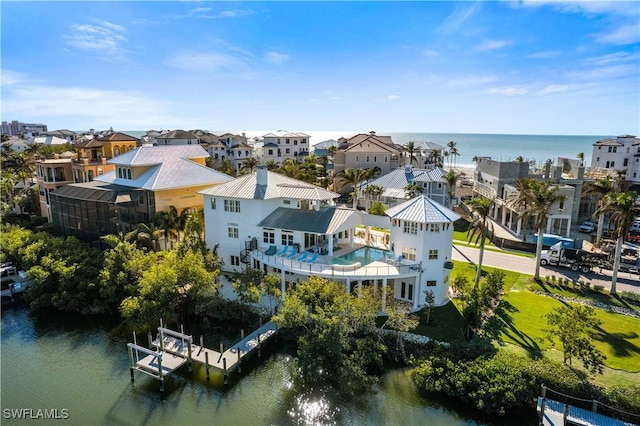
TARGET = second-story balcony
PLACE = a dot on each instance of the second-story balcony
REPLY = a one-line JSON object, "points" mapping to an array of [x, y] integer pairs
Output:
{"points": [[325, 267]]}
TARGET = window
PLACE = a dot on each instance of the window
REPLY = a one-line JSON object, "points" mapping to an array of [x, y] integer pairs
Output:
{"points": [[433, 254], [287, 151], [119, 172], [213, 203], [386, 159], [269, 236], [409, 253], [367, 158], [270, 152], [625, 163], [235, 260], [287, 141], [232, 232], [434, 227], [287, 238], [410, 227], [356, 158], [303, 140], [431, 283], [287, 202], [128, 173], [295, 142], [406, 291], [232, 206]]}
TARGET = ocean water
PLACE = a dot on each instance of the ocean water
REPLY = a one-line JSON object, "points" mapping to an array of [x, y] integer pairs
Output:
{"points": [[501, 147]]}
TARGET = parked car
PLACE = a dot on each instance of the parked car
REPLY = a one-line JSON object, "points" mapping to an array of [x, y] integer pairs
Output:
{"points": [[635, 225], [588, 227], [633, 236]]}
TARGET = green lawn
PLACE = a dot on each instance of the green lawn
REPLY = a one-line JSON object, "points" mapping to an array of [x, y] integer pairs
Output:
{"points": [[520, 320]]}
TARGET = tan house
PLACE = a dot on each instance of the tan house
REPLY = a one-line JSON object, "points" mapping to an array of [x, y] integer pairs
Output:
{"points": [[144, 181], [51, 175], [366, 150], [92, 155]]}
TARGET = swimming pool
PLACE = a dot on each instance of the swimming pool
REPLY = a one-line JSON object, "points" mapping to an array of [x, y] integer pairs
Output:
{"points": [[364, 255]]}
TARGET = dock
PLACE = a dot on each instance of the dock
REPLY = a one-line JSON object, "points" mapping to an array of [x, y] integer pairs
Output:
{"points": [[172, 349], [556, 413]]}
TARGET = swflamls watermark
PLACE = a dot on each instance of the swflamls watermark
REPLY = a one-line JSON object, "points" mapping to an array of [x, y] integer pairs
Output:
{"points": [[35, 413]]}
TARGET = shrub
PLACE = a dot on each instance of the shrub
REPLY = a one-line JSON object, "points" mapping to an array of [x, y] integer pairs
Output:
{"points": [[598, 288]]}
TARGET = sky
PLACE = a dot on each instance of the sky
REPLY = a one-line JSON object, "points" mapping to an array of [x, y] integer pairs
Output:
{"points": [[515, 67]]}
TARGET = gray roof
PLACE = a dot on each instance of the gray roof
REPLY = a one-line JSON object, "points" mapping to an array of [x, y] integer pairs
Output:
{"points": [[398, 179], [325, 221], [278, 186], [170, 167], [422, 209], [98, 191], [178, 134]]}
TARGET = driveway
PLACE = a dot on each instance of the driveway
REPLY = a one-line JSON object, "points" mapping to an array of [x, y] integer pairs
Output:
{"points": [[510, 262]]}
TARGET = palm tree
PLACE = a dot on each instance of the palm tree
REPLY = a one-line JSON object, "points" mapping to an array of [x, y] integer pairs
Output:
{"points": [[535, 199], [580, 157], [519, 159], [451, 177], [249, 165], [271, 165], [600, 187], [373, 191], [351, 177], [226, 167], [412, 149], [434, 158], [452, 151], [166, 223], [412, 190], [480, 228], [149, 235], [622, 207], [371, 173]]}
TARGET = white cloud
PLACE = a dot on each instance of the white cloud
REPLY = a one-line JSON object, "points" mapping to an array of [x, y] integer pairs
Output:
{"points": [[388, 98], [276, 57], [613, 58], [508, 91], [554, 88], [621, 8], [90, 105], [493, 45], [621, 35], [458, 17], [104, 37], [429, 53], [9, 77], [544, 54], [205, 62], [474, 80]]}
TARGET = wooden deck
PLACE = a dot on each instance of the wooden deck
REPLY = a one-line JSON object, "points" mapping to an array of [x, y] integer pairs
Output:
{"points": [[178, 349], [553, 415]]}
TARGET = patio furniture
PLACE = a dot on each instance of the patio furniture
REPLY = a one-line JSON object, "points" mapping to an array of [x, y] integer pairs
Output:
{"points": [[293, 253], [314, 258], [283, 251], [271, 251], [303, 257]]}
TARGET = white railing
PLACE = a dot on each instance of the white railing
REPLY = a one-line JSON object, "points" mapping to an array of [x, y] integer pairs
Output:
{"points": [[390, 269]]}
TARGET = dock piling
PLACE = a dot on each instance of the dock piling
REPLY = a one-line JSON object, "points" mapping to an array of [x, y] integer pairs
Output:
{"points": [[259, 345], [189, 351], [242, 334], [149, 338], [131, 364], [224, 371], [206, 363], [239, 364]]}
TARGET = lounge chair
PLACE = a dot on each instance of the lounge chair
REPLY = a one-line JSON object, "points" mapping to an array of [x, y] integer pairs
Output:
{"points": [[399, 260], [271, 251], [293, 254], [303, 257], [283, 251], [314, 258]]}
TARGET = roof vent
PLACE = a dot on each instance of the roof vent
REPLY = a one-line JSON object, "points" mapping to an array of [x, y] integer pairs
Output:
{"points": [[408, 168]]}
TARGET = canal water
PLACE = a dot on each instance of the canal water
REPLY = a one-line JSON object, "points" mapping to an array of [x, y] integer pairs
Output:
{"points": [[76, 368]]}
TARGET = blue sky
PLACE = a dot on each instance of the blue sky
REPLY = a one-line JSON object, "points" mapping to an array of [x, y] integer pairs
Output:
{"points": [[524, 67]]}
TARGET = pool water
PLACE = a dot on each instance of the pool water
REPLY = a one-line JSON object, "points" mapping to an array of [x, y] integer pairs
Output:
{"points": [[364, 255]]}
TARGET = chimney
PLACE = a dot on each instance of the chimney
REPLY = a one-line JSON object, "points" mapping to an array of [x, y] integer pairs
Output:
{"points": [[408, 168], [261, 176], [372, 133]]}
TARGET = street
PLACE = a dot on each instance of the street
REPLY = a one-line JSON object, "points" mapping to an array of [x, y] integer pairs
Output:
{"points": [[626, 281]]}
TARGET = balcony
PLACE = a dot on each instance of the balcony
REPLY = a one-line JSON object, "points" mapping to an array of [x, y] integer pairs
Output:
{"points": [[325, 268]]}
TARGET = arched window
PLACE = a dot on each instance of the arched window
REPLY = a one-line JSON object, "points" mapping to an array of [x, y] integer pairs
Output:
{"points": [[90, 175], [116, 151], [128, 173], [119, 172]]}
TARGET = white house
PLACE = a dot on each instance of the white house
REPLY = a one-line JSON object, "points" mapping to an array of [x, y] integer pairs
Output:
{"points": [[280, 145], [619, 153], [293, 229]]}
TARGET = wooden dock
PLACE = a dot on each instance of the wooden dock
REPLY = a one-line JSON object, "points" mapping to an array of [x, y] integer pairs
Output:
{"points": [[172, 349], [555, 413]]}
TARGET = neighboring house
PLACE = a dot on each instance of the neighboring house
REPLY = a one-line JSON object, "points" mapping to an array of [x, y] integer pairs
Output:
{"points": [[257, 216], [393, 183], [280, 145], [15, 145], [92, 155], [364, 151], [65, 134], [52, 175], [146, 180], [177, 137], [322, 148], [239, 154], [622, 154], [496, 180], [429, 154], [50, 140]]}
